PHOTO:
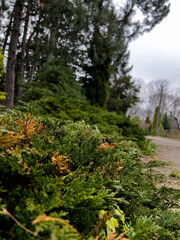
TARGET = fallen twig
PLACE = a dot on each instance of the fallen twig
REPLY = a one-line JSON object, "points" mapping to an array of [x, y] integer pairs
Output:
{"points": [[20, 225]]}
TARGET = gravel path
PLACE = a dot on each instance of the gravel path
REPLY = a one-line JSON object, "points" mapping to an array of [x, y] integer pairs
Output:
{"points": [[168, 150]]}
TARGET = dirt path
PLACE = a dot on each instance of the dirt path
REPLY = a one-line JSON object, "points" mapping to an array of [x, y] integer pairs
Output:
{"points": [[168, 150]]}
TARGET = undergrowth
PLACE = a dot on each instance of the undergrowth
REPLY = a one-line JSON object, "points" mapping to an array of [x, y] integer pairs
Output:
{"points": [[157, 163], [61, 179], [74, 109]]}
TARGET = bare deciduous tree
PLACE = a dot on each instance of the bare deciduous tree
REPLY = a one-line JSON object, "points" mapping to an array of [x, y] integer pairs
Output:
{"points": [[173, 106]]}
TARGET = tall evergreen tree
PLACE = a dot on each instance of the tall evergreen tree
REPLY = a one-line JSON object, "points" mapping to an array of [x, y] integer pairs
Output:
{"points": [[147, 120], [66, 29], [118, 28], [123, 94], [98, 73], [10, 69], [166, 122]]}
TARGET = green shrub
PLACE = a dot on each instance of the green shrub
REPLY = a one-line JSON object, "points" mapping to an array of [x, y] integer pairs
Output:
{"points": [[153, 126], [77, 110], [169, 219], [166, 122], [161, 131], [145, 228], [136, 120], [175, 173], [54, 78], [72, 171]]}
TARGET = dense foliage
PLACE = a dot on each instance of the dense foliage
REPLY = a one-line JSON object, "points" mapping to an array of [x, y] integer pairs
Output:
{"points": [[54, 78], [123, 94], [78, 110], [75, 180], [98, 74]]}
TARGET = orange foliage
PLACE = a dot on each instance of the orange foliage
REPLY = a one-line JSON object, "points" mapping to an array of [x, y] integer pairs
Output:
{"points": [[61, 163], [117, 169], [85, 134], [113, 236], [41, 5], [106, 145], [28, 128], [9, 139], [3, 124]]}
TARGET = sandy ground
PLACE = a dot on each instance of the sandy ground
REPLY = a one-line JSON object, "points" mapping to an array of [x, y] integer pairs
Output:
{"points": [[168, 150]]}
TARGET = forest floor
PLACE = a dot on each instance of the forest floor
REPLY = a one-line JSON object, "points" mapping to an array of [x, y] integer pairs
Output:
{"points": [[168, 151]]}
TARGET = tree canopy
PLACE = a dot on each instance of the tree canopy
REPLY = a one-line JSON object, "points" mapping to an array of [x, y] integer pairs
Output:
{"points": [[91, 36]]}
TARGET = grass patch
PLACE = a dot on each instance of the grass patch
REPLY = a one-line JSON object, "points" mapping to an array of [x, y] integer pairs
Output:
{"points": [[174, 138], [175, 173], [156, 163]]}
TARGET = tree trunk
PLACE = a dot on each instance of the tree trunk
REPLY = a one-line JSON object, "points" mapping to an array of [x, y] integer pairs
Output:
{"points": [[30, 60], [22, 57], [158, 115], [8, 32], [31, 73], [176, 119], [52, 43], [10, 69]]}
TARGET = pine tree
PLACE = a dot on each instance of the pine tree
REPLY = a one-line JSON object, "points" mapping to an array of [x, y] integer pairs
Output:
{"points": [[123, 94], [166, 122], [147, 120], [98, 74], [119, 29], [161, 131]]}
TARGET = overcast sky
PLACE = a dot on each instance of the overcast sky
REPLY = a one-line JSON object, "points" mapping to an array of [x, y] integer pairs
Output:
{"points": [[156, 55]]}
